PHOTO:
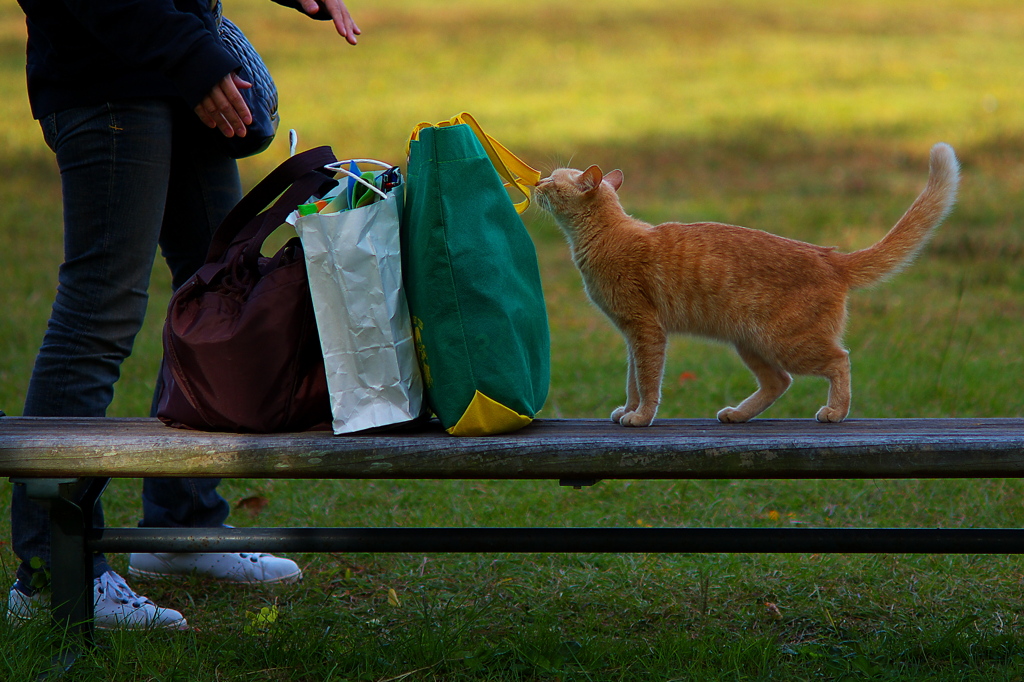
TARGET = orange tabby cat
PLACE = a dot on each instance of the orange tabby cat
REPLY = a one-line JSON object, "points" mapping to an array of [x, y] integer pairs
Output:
{"points": [[781, 303]]}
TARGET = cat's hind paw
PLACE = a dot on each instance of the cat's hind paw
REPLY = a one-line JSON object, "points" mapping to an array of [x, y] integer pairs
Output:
{"points": [[730, 415], [830, 415]]}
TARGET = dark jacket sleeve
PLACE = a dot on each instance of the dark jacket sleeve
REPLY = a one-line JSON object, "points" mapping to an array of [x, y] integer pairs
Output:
{"points": [[173, 37]]}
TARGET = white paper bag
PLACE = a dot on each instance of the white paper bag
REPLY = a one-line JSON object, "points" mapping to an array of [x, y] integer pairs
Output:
{"points": [[354, 264]]}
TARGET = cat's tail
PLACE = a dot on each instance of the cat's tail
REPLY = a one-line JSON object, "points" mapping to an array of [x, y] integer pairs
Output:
{"points": [[898, 248]]}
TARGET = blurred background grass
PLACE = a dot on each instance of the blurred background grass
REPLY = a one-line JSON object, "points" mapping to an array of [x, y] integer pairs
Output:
{"points": [[812, 120]]}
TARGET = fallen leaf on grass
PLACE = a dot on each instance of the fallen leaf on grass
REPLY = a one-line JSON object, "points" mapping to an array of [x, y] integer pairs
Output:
{"points": [[253, 505]]}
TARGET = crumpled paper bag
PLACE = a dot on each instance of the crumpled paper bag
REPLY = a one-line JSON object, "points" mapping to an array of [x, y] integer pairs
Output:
{"points": [[354, 264]]}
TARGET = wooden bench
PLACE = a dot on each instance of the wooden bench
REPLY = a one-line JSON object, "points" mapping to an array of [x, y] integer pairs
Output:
{"points": [[65, 463]]}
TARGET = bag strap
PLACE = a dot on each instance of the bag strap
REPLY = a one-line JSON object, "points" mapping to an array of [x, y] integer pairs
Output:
{"points": [[313, 183], [233, 228], [518, 176], [343, 168]]}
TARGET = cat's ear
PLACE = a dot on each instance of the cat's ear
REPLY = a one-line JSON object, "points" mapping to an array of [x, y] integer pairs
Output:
{"points": [[590, 178], [614, 179]]}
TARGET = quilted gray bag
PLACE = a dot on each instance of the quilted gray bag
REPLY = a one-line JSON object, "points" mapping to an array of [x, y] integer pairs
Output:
{"points": [[261, 98]]}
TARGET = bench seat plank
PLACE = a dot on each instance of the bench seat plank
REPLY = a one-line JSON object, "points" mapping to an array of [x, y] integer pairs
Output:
{"points": [[579, 449]]}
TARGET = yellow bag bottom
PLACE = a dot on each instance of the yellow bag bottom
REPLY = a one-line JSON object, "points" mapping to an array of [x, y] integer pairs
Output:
{"points": [[487, 417]]}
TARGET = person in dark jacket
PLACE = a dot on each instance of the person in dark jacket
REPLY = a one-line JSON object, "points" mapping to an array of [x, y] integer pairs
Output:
{"points": [[129, 96]]}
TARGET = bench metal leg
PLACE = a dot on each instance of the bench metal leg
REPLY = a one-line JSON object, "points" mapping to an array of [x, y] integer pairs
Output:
{"points": [[70, 502]]}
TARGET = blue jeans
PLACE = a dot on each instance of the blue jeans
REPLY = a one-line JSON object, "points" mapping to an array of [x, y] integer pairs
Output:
{"points": [[135, 175]]}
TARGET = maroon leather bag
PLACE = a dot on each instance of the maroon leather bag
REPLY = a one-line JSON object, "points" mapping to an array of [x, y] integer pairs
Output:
{"points": [[241, 349]]}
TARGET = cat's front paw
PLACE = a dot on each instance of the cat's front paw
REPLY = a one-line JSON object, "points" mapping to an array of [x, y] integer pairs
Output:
{"points": [[618, 412], [830, 415], [636, 419], [730, 415]]}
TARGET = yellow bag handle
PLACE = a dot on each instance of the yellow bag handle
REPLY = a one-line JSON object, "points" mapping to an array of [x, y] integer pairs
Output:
{"points": [[518, 176]]}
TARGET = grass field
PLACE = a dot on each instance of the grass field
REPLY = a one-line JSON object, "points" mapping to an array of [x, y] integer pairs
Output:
{"points": [[812, 120]]}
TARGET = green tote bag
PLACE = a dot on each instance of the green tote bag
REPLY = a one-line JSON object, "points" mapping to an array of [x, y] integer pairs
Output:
{"points": [[472, 280]]}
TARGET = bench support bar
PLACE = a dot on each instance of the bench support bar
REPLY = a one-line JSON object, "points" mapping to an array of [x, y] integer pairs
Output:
{"points": [[562, 540]]}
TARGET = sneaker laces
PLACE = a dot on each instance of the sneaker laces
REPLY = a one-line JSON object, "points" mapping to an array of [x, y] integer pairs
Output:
{"points": [[112, 586], [253, 556]]}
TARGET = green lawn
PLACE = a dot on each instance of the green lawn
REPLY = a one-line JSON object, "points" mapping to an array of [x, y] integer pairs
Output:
{"points": [[812, 120]]}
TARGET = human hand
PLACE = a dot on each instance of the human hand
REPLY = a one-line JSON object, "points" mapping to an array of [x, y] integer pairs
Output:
{"points": [[224, 107], [343, 22]]}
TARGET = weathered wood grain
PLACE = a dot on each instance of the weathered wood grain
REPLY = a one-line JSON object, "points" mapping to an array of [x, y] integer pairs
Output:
{"points": [[547, 449]]}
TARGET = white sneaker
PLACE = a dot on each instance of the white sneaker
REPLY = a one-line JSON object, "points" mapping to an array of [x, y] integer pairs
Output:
{"points": [[237, 568], [22, 607], [115, 606]]}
